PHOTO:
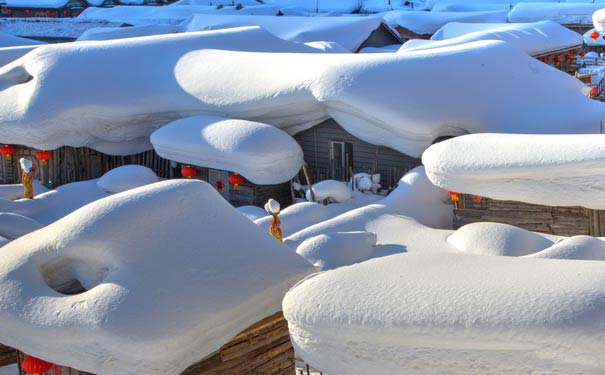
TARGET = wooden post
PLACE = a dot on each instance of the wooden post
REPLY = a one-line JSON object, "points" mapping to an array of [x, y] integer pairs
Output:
{"points": [[292, 191], [308, 181]]}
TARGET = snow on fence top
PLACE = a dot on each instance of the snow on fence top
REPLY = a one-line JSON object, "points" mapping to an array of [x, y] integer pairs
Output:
{"points": [[383, 100], [349, 32], [533, 38], [553, 170], [563, 13], [161, 281], [262, 153], [51, 28], [428, 22]]}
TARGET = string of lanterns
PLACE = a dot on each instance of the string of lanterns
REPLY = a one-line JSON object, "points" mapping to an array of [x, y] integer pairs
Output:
{"points": [[455, 197], [235, 179], [7, 151]]}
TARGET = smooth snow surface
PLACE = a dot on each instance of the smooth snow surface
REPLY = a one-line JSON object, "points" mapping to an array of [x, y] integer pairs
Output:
{"points": [[427, 23], [15, 191], [252, 212], [69, 28], [336, 191], [563, 13], [349, 32], [136, 259], [261, 153], [36, 3], [108, 33], [8, 40], [533, 38], [553, 170], [332, 250], [272, 206], [13, 225], [126, 177], [10, 54], [451, 314]]}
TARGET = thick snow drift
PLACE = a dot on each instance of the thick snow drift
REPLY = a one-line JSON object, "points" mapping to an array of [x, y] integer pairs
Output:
{"points": [[262, 153], [533, 38], [125, 178], [335, 191], [15, 191], [563, 13], [9, 40], [451, 314], [554, 170], [136, 259], [108, 33], [349, 32], [598, 20], [426, 23]]}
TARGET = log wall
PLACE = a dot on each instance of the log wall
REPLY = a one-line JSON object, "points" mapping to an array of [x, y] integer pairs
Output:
{"points": [[7, 355], [561, 221]]}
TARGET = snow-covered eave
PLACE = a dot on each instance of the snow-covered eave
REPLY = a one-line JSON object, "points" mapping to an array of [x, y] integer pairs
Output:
{"points": [[557, 51]]}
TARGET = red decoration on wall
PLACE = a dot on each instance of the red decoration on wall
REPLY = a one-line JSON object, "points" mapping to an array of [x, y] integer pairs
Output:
{"points": [[35, 365], [236, 180], [43, 156], [188, 171], [219, 185], [453, 195], [7, 151], [582, 54], [593, 35]]}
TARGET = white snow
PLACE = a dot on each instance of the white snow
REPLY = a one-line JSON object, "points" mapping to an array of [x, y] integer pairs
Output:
{"points": [[10, 54], [598, 20], [25, 164], [336, 6], [9, 370], [108, 33], [69, 28], [36, 3], [333, 250], [9, 40], [335, 191], [137, 259], [252, 212], [468, 6], [349, 32], [125, 178], [553, 170], [563, 13], [424, 23], [451, 314], [261, 153], [14, 225], [599, 41], [577, 247], [533, 38], [272, 206], [15, 191]]}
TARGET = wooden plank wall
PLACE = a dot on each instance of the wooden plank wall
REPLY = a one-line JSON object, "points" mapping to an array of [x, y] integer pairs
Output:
{"points": [[7, 355], [257, 195], [315, 142], [561, 221]]}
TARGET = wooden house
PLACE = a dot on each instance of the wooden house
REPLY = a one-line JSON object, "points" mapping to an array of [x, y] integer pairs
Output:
{"points": [[384, 35], [561, 221], [42, 9]]}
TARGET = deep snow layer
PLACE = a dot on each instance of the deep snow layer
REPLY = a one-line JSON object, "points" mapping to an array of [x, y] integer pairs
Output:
{"points": [[554, 170], [292, 91], [451, 314], [157, 298], [563, 13], [426, 23], [261, 153], [533, 38], [598, 20]]}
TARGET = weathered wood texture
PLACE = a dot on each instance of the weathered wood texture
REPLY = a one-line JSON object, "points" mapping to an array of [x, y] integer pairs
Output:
{"points": [[8, 355], [561, 221], [264, 348], [568, 66], [258, 195], [315, 143], [382, 36]]}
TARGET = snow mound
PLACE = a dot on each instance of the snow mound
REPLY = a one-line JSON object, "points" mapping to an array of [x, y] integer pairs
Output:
{"points": [[3, 241], [10, 54], [577, 247], [15, 191], [107, 33], [126, 177], [188, 297], [263, 154], [427, 23], [598, 20], [465, 6], [451, 314], [563, 13], [336, 191], [348, 32], [13, 225], [533, 38], [332, 250], [252, 212], [327, 47], [553, 170], [497, 239], [323, 6], [9, 40]]}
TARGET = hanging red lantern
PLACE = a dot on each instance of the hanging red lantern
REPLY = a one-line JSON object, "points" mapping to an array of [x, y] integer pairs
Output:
{"points": [[546, 61], [35, 365], [219, 185], [453, 195], [7, 151], [594, 91], [582, 54], [236, 180], [477, 198], [569, 56], [43, 156], [188, 171], [593, 35], [558, 59]]}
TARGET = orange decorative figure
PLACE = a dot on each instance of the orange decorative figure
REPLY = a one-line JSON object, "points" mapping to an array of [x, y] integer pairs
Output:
{"points": [[27, 177], [273, 208]]}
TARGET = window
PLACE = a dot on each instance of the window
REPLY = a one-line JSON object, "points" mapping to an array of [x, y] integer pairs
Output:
{"points": [[341, 160]]}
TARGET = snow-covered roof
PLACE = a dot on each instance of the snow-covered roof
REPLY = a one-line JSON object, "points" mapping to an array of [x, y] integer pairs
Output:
{"points": [[175, 255], [324, 6], [468, 6], [533, 38], [429, 22], [599, 41], [563, 13], [9, 40], [598, 20], [36, 3], [349, 32], [554, 170], [261, 153], [376, 6], [383, 101], [107, 33], [50, 27]]}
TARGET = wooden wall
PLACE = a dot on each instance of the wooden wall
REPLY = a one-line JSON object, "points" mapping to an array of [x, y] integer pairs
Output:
{"points": [[382, 36], [7, 355], [561, 221], [257, 195], [315, 142]]}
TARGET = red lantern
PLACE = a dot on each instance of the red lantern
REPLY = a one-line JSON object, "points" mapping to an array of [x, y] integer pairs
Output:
{"points": [[236, 180], [546, 61], [593, 35], [35, 365], [43, 156], [477, 198], [594, 91], [568, 56], [455, 196], [558, 59], [188, 171], [219, 185], [7, 151], [581, 54]]}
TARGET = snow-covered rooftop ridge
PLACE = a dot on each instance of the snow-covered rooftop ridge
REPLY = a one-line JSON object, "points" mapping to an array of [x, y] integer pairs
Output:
{"points": [[349, 32], [261, 153], [189, 297], [533, 38], [563, 13], [36, 3], [554, 170], [428, 22], [50, 27]]}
